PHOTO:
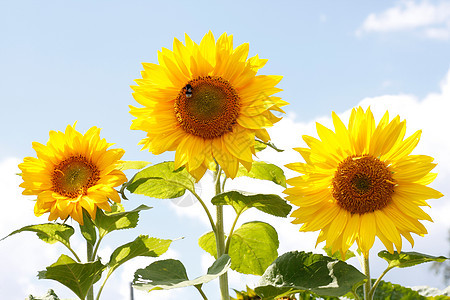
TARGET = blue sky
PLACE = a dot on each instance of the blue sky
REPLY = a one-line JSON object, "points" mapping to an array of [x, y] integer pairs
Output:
{"points": [[67, 61]]}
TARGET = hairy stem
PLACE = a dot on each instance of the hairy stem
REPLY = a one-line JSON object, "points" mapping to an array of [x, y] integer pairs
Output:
{"points": [[367, 285], [220, 238], [89, 252]]}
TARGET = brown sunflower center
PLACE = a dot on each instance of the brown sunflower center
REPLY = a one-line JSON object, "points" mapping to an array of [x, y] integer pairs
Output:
{"points": [[73, 176], [362, 184], [207, 106]]}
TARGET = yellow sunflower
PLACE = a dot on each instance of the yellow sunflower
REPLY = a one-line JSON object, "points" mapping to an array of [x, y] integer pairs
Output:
{"points": [[72, 172], [205, 102], [360, 182]]}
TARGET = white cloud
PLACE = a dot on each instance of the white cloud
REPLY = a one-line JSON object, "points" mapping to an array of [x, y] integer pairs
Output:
{"points": [[430, 20]]}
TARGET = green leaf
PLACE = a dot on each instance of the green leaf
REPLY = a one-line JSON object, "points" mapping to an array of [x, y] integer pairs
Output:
{"points": [[161, 181], [259, 146], [389, 291], [337, 255], [253, 247], [117, 219], [88, 228], [408, 259], [49, 296], [133, 165], [264, 171], [49, 232], [76, 276], [241, 201], [170, 274], [141, 246], [299, 271], [271, 145]]}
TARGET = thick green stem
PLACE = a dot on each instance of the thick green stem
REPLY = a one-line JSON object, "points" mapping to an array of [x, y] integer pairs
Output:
{"points": [[367, 285], [220, 238], [89, 252]]}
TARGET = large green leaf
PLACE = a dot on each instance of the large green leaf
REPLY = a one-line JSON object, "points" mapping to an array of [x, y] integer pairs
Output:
{"points": [[241, 201], [141, 246], [76, 276], [49, 296], [170, 274], [264, 171], [133, 165], [253, 247], [117, 219], [299, 271], [408, 259], [389, 291], [161, 181], [88, 229], [49, 232]]}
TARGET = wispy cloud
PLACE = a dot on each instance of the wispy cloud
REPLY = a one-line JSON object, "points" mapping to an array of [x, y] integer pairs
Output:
{"points": [[428, 19]]}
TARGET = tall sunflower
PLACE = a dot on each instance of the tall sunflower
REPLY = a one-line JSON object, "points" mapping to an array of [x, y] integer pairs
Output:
{"points": [[205, 102], [72, 172], [362, 181]]}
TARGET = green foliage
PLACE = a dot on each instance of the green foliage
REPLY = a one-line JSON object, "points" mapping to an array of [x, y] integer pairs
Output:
{"points": [[253, 247], [49, 232], [49, 296], [259, 146], [389, 291], [161, 181], [299, 271], [141, 246], [338, 255], [171, 273], [76, 276], [88, 229], [408, 259], [241, 201], [133, 165], [264, 171], [117, 219]]}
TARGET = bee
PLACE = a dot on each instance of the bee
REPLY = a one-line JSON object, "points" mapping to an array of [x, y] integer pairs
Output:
{"points": [[188, 90]]}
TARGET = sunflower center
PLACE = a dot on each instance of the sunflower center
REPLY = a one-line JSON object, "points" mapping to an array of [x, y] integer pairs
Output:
{"points": [[207, 106], [73, 176], [362, 184]]}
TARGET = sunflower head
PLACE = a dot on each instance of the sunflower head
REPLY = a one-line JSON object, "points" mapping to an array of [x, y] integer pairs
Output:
{"points": [[71, 173], [205, 102], [361, 181]]}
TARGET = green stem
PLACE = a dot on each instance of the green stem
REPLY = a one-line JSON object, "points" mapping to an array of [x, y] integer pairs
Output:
{"points": [[211, 221], [89, 252], [220, 238], [73, 252], [372, 291], [103, 284], [367, 285], [355, 295], [94, 254], [199, 289], [227, 245]]}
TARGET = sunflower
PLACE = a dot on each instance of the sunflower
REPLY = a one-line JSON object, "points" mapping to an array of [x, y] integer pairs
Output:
{"points": [[205, 102], [360, 182], [72, 172]]}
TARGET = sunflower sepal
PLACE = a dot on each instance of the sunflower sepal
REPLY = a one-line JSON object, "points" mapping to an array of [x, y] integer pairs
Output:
{"points": [[171, 273], [252, 247], [88, 229], [296, 271]]}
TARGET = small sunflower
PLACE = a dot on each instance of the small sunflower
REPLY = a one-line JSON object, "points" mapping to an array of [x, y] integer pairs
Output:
{"points": [[72, 172], [205, 102], [362, 181]]}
